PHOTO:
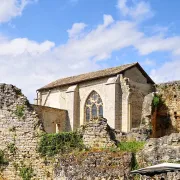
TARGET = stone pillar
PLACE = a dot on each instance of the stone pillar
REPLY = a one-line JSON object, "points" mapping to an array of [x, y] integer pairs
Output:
{"points": [[112, 102], [126, 105], [72, 106]]}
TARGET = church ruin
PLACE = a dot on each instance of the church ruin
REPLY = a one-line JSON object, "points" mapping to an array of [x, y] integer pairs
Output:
{"points": [[116, 94]]}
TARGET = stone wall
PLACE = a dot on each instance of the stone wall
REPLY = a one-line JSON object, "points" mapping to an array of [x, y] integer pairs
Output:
{"points": [[20, 128], [98, 134], [164, 176], [54, 120], [94, 165], [171, 108], [159, 150]]}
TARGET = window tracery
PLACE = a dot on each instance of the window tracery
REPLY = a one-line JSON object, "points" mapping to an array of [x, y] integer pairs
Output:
{"points": [[93, 106]]}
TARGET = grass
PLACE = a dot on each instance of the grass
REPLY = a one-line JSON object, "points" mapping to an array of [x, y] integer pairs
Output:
{"points": [[132, 146]]}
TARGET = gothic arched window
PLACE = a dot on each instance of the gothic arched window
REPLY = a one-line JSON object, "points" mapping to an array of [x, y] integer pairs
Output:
{"points": [[93, 106]]}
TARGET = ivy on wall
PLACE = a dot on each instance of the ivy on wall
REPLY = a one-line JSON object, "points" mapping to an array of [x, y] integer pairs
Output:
{"points": [[52, 144]]}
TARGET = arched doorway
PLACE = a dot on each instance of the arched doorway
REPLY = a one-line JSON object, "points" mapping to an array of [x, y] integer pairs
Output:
{"points": [[93, 106]]}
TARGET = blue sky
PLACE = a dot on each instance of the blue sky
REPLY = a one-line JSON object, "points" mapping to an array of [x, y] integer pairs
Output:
{"points": [[43, 40]]}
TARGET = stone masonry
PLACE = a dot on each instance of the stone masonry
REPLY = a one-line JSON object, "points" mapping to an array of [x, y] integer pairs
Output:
{"points": [[171, 108], [94, 165], [159, 150], [19, 135], [97, 133]]}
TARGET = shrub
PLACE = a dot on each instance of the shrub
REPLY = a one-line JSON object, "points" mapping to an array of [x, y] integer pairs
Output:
{"points": [[12, 148], [26, 172], [134, 163], [19, 111], [52, 144], [157, 101], [3, 161], [132, 146]]}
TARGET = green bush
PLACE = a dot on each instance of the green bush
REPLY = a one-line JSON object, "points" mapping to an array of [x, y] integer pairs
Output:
{"points": [[52, 144], [26, 173], [132, 146], [156, 101], [19, 111]]}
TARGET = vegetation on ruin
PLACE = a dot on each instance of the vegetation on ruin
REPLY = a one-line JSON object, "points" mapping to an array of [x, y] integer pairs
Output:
{"points": [[131, 146], [52, 144], [157, 101], [19, 112], [26, 172], [3, 160], [12, 148], [134, 163]]}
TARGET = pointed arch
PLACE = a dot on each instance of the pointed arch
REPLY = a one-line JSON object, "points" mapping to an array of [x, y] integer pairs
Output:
{"points": [[93, 106]]}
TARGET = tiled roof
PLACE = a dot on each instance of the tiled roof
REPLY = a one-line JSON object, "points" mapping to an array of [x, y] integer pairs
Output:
{"points": [[92, 75]]}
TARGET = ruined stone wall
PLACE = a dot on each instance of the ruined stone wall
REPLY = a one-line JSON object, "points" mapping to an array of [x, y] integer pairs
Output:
{"points": [[94, 165], [171, 107], [54, 120], [20, 128], [98, 134], [159, 150]]}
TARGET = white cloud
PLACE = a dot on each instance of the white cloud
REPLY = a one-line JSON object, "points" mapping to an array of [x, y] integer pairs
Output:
{"points": [[139, 10], [12, 8], [148, 45], [23, 45], [99, 43], [76, 29], [148, 62], [108, 19], [169, 71]]}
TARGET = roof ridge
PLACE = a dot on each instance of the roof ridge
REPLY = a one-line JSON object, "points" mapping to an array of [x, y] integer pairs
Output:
{"points": [[99, 70]]}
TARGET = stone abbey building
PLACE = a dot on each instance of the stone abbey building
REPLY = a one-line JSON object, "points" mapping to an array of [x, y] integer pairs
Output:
{"points": [[116, 93]]}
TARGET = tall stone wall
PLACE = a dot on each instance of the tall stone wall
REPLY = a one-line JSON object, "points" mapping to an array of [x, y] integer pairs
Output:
{"points": [[171, 106], [20, 128]]}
